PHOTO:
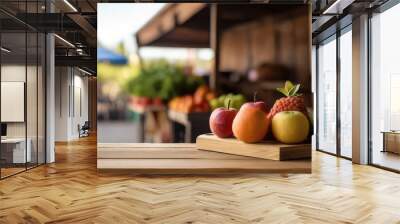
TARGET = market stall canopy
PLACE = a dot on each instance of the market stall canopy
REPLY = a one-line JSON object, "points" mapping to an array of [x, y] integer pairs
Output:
{"points": [[107, 56], [188, 24], [177, 25]]}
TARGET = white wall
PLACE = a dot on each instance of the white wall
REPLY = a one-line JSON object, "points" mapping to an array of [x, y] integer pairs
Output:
{"points": [[33, 125], [14, 73], [62, 81], [79, 103], [71, 87]]}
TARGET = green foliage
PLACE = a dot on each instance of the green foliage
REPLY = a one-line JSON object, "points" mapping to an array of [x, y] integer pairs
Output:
{"points": [[162, 79], [116, 74], [233, 100]]}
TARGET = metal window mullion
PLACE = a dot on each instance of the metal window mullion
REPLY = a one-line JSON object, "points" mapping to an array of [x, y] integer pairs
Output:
{"points": [[69, 93], [0, 94], [60, 77], [369, 95], [45, 96], [26, 88], [73, 92], [37, 91], [317, 96], [338, 95]]}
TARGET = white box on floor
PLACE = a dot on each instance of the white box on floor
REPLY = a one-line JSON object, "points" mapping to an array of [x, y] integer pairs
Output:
{"points": [[19, 154]]}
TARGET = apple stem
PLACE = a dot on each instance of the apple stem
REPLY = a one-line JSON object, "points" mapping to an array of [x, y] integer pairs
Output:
{"points": [[255, 97], [229, 102]]}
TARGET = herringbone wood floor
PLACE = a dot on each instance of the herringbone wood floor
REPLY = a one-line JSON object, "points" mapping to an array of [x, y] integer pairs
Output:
{"points": [[71, 191]]}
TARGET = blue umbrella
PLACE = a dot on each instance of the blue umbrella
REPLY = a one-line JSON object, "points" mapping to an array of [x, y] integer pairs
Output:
{"points": [[104, 55]]}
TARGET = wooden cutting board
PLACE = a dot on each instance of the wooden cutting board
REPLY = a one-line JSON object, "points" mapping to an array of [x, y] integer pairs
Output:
{"points": [[266, 150]]}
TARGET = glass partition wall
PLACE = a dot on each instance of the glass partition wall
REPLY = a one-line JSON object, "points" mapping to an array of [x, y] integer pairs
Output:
{"points": [[326, 140], [334, 94], [13, 111], [345, 92], [22, 88], [385, 89], [334, 104]]}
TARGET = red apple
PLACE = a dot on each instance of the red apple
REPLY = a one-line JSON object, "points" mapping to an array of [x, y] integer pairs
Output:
{"points": [[221, 120]]}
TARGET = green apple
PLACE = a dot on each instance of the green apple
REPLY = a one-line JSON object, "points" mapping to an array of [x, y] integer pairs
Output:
{"points": [[236, 101], [290, 127], [214, 103], [221, 100]]}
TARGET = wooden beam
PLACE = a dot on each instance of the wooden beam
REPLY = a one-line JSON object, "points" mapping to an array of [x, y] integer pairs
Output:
{"points": [[215, 37], [167, 20], [183, 37], [140, 58], [84, 24]]}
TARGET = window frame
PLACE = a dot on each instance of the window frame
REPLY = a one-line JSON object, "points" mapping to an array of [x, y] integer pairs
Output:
{"points": [[29, 29], [333, 37], [378, 10]]}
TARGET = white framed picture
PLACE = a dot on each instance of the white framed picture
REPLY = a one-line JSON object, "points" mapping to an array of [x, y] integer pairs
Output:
{"points": [[12, 101]]}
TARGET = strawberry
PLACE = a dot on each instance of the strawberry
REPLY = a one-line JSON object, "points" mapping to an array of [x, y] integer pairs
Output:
{"points": [[293, 101]]}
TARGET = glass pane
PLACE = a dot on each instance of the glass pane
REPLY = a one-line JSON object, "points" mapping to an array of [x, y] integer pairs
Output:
{"points": [[313, 84], [327, 96], [346, 94], [385, 114], [32, 88], [23, 90], [13, 86], [31, 98]]}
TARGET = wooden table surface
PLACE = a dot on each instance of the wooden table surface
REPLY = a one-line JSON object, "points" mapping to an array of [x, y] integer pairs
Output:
{"points": [[175, 158], [73, 191]]}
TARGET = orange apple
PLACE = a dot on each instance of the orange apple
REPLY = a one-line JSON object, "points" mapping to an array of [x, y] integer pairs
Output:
{"points": [[251, 123]]}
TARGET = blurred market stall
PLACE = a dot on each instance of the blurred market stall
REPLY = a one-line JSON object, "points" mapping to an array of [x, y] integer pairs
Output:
{"points": [[106, 56], [255, 49]]}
